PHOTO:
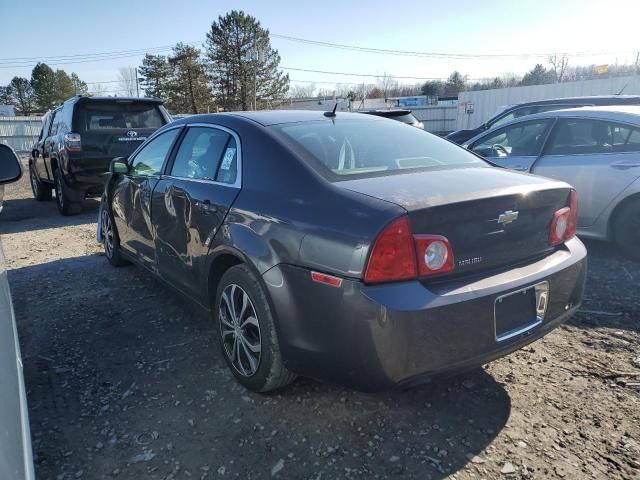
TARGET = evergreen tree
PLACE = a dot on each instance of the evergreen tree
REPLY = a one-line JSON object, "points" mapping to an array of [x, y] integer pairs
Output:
{"points": [[538, 75], [64, 88], [43, 82], [242, 65], [79, 87], [188, 88], [156, 76], [22, 95]]}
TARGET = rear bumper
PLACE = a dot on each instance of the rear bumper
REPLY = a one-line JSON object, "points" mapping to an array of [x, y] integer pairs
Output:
{"points": [[379, 337]]}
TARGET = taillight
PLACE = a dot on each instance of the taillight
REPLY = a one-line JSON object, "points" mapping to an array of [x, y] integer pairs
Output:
{"points": [[393, 256], [72, 142], [564, 222], [398, 255], [434, 254]]}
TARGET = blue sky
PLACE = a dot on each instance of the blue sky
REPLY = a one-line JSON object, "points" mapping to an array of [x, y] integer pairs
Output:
{"points": [[60, 27]]}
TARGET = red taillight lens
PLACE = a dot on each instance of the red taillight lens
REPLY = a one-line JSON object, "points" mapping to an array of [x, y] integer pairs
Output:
{"points": [[434, 254], [565, 221], [393, 256], [72, 142]]}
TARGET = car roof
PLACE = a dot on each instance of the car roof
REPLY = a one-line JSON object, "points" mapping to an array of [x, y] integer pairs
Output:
{"points": [[275, 117], [589, 98], [614, 113]]}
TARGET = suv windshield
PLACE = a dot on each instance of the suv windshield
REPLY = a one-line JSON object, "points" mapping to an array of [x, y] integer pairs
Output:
{"points": [[101, 116], [370, 147]]}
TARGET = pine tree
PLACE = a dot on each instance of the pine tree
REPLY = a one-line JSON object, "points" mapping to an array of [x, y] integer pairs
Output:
{"points": [[22, 94], [64, 88], [79, 87], [188, 88], [156, 76], [242, 65], [43, 82]]}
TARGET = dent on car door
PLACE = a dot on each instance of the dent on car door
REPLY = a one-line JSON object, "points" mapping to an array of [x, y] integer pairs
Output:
{"points": [[600, 159], [131, 197], [515, 146], [191, 202]]}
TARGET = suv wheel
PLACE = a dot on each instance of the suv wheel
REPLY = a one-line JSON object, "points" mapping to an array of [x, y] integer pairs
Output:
{"points": [[626, 229], [247, 334], [110, 240], [65, 205], [41, 191]]}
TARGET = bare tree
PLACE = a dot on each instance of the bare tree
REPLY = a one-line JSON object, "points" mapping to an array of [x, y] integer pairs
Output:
{"points": [[559, 65], [98, 90], [127, 81], [302, 90], [388, 85]]}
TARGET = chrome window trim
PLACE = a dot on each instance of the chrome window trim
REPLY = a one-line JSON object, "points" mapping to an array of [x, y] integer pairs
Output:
{"points": [[238, 182]]}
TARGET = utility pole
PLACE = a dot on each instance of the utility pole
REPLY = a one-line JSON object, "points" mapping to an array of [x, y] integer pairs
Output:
{"points": [[638, 63], [137, 86]]}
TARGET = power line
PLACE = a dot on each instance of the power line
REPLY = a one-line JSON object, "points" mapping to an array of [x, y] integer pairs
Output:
{"points": [[433, 54], [367, 74]]}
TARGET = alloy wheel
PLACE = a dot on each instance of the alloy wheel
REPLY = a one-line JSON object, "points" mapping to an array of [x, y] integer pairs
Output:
{"points": [[59, 193], [107, 233], [239, 330]]}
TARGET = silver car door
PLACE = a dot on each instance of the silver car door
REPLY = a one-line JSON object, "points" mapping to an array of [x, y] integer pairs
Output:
{"points": [[593, 156], [515, 146]]}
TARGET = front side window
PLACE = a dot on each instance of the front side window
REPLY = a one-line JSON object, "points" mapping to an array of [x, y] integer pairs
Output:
{"points": [[521, 140], [574, 136], [150, 159], [369, 147], [200, 153]]}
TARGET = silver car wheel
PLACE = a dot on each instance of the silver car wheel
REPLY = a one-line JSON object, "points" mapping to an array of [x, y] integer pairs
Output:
{"points": [[239, 330], [107, 233]]}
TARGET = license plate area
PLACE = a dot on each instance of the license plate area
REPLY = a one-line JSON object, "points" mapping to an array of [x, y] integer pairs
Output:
{"points": [[518, 312]]}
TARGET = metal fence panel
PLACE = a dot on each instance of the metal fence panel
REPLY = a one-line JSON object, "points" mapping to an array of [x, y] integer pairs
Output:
{"points": [[485, 103], [20, 133]]}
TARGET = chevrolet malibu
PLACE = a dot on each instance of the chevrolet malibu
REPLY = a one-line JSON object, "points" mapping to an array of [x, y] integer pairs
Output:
{"points": [[345, 247]]}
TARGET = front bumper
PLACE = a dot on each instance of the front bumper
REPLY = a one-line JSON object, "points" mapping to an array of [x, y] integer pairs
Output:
{"points": [[379, 337]]}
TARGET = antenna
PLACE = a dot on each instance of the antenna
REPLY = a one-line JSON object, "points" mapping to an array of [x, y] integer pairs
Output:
{"points": [[332, 113], [623, 88]]}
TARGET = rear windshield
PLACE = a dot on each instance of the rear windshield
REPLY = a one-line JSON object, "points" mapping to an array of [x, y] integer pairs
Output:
{"points": [[363, 148], [103, 116]]}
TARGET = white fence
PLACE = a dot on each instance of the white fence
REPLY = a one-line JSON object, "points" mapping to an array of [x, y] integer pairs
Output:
{"points": [[20, 133], [485, 103]]}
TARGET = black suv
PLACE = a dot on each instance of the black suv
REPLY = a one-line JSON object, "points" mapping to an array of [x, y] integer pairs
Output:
{"points": [[80, 138], [404, 116], [539, 106]]}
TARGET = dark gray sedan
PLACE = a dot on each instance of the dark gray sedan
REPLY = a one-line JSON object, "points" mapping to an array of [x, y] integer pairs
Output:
{"points": [[345, 247]]}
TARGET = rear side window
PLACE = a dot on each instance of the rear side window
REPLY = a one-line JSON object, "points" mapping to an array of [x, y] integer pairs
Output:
{"points": [[99, 116], [346, 148], [200, 153], [586, 136]]}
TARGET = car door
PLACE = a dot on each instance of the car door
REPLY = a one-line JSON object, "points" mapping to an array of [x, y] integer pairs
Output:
{"points": [[49, 146], [515, 146], [599, 158], [131, 197], [37, 153], [191, 201]]}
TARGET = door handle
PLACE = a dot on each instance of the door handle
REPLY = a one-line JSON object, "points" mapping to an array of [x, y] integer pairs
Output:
{"points": [[206, 206], [624, 164]]}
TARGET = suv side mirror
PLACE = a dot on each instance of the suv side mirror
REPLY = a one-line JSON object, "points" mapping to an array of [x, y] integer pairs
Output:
{"points": [[119, 165], [10, 168]]}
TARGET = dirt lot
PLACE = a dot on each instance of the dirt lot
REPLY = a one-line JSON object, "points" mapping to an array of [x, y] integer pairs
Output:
{"points": [[125, 380]]}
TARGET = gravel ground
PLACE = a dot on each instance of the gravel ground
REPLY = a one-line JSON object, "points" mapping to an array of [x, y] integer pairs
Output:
{"points": [[124, 380]]}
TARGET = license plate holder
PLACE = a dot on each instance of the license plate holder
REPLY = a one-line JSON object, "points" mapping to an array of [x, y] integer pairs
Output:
{"points": [[519, 312]]}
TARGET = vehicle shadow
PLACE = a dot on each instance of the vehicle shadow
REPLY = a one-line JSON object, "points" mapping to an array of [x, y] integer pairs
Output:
{"points": [[26, 214], [116, 364], [611, 295]]}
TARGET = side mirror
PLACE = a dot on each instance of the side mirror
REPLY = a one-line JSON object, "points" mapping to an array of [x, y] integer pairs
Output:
{"points": [[119, 165], [10, 168]]}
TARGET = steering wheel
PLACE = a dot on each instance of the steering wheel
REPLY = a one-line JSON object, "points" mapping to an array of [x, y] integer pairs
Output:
{"points": [[500, 148]]}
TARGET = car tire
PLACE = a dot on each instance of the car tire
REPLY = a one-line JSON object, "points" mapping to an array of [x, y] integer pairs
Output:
{"points": [[63, 198], [111, 240], [41, 191], [242, 333], [626, 229]]}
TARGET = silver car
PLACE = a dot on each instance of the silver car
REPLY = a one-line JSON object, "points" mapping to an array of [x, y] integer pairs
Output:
{"points": [[15, 438], [595, 149]]}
